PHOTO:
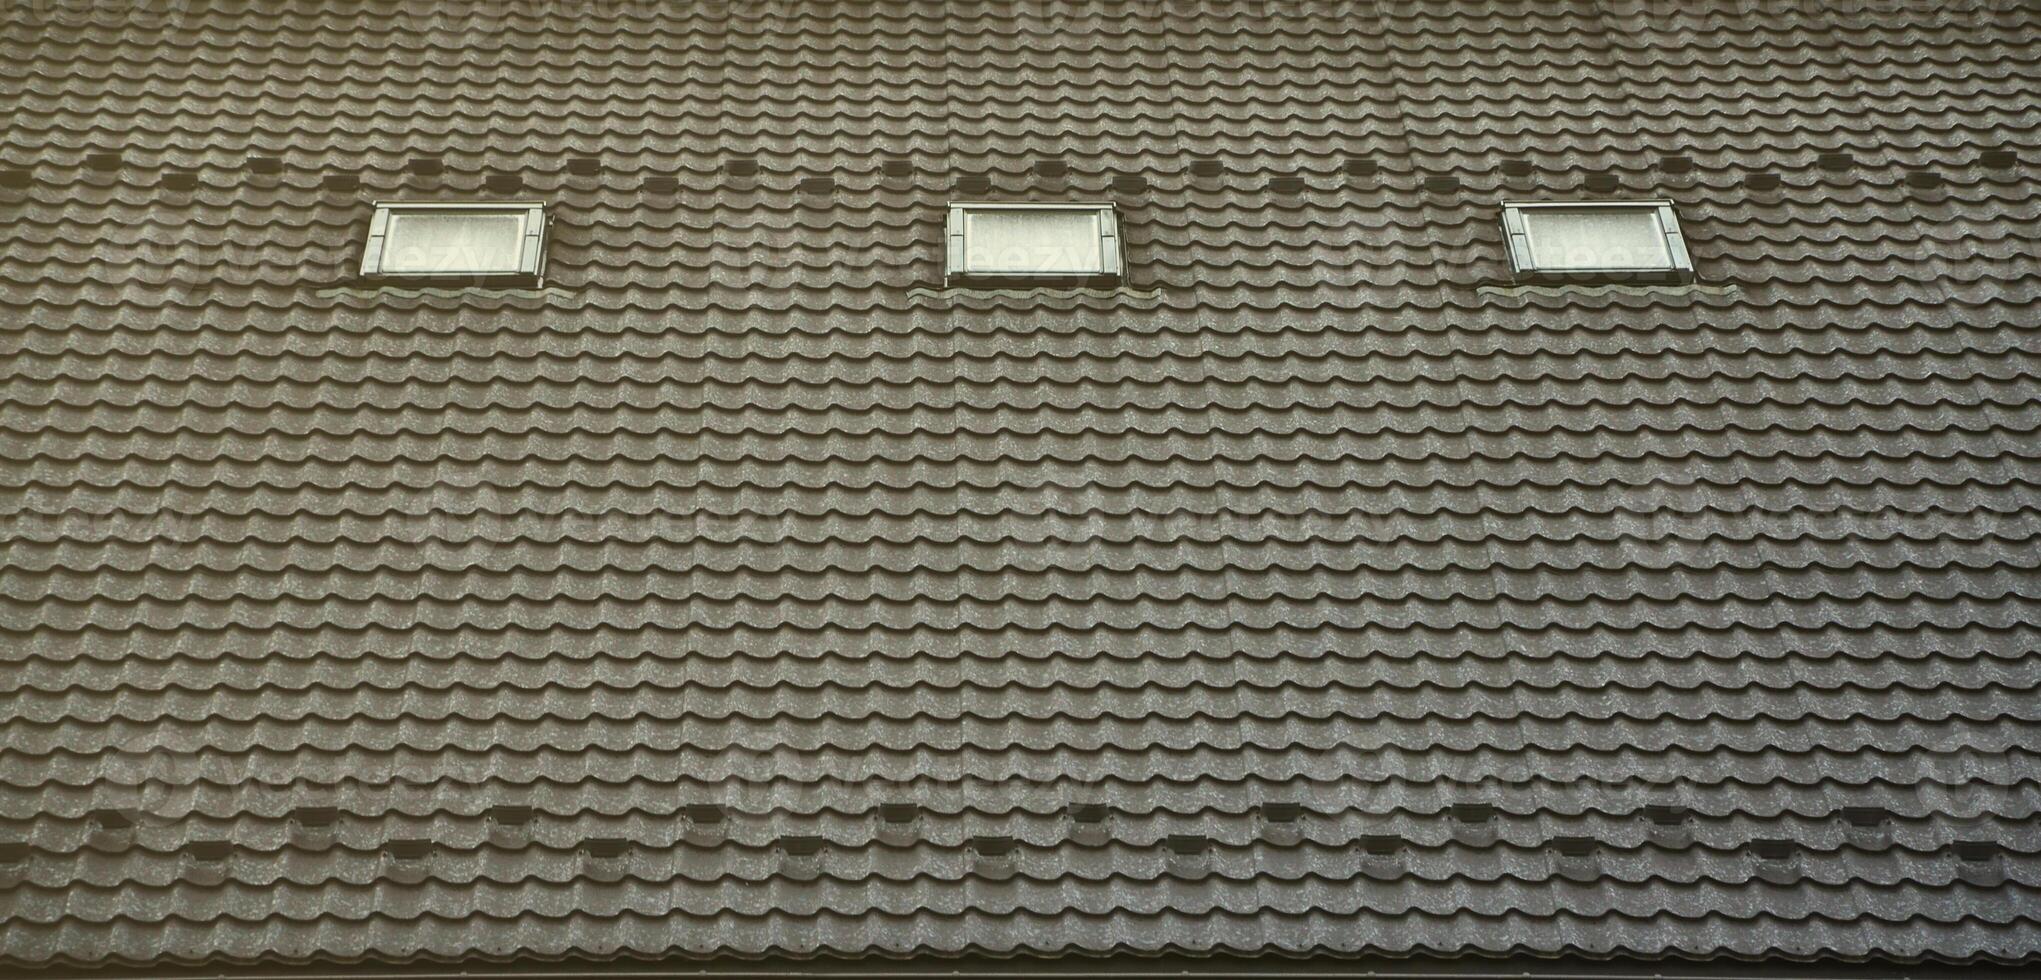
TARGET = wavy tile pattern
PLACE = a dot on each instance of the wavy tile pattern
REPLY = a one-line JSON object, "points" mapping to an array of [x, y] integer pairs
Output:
{"points": [[745, 591]]}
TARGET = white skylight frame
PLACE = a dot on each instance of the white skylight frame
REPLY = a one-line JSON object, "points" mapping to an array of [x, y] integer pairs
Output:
{"points": [[531, 259], [1109, 268], [1519, 218]]}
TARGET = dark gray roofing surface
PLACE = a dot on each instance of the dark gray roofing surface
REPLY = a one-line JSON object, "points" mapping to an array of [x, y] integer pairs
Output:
{"points": [[745, 591]]}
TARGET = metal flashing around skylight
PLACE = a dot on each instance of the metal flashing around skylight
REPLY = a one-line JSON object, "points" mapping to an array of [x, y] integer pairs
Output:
{"points": [[1596, 241], [494, 242], [1034, 244]]}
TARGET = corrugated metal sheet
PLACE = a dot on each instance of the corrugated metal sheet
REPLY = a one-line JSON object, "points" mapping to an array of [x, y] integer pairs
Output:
{"points": [[745, 591]]}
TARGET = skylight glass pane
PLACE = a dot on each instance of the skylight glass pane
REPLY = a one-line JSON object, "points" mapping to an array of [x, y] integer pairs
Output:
{"points": [[1044, 242], [454, 242], [1596, 238]]}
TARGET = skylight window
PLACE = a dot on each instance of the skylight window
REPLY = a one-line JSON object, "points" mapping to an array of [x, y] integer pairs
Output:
{"points": [[432, 241], [1034, 243], [1606, 241]]}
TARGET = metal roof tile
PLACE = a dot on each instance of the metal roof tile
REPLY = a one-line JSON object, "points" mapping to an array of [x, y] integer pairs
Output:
{"points": [[745, 591]]}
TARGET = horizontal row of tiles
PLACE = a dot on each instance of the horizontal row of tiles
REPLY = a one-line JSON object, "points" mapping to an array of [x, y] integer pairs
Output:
{"points": [[387, 387], [403, 544], [105, 836], [32, 878], [1232, 155], [1593, 440], [1330, 420], [1024, 572], [1495, 24], [800, 416], [996, 585], [1994, 757], [1229, 153], [1596, 505], [964, 51], [1976, 418], [1284, 194], [963, 97], [1967, 507], [1800, 936], [1331, 933], [1595, 28], [1329, 820], [1950, 788], [1333, 283], [1882, 296], [1828, 468], [1541, 662], [38, 751], [1198, 190], [163, 275], [1760, 664], [971, 95], [382, 372], [986, 341], [1944, 898], [190, 178], [969, 61], [1166, 471], [1606, 524], [1165, 434], [436, 362], [912, 277], [294, 303], [132, 175], [1204, 500], [160, 247], [1995, 598], [1966, 294], [1342, 69], [1816, 456], [364, 746], [1198, 81], [890, 277], [74, 220], [1606, 344], [815, 141], [147, 730], [1578, 318], [897, 495], [1933, 631], [1868, 695], [807, 130]]}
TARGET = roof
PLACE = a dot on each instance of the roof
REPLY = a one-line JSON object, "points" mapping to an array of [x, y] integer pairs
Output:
{"points": [[744, 591]]}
